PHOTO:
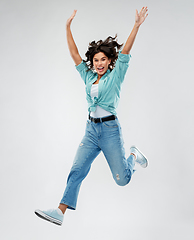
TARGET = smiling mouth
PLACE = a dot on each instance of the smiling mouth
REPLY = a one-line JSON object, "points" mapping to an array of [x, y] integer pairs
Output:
{"points": [[100, 69]]}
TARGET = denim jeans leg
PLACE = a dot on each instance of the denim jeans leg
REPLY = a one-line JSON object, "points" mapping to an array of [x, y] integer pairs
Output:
{"points": [[86, 153], [112, 146]]}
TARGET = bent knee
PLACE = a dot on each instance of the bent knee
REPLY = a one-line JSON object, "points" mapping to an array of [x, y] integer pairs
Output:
{"points": [[122, 181]]}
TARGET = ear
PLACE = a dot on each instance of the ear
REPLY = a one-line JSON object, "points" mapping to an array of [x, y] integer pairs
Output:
{"points": [[109, 61]]}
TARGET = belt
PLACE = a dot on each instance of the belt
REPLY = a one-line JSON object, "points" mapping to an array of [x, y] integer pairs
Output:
{"points": [[104, 119]]}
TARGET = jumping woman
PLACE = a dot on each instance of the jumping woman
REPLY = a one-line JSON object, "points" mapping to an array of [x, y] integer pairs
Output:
{"points": [[103, 73]]}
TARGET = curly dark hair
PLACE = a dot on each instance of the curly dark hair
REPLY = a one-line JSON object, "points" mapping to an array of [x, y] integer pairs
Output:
{"points": [[109, 47]]}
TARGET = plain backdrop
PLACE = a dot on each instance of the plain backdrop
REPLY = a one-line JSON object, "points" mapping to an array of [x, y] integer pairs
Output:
{"points": [[43, 113]]}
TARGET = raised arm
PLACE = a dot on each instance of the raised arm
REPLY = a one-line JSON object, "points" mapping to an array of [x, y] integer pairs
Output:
{"points": [[70, 41], [139, 19]]}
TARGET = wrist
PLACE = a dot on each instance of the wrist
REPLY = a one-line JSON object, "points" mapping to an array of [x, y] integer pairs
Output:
{"points": [[136, 25]]}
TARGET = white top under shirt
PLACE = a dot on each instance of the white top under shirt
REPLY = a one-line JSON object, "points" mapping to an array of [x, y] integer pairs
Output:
{"points": [[100, 112]]}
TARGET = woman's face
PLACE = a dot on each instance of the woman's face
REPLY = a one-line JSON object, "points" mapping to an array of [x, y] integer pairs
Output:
{"points": [[101, 63]]}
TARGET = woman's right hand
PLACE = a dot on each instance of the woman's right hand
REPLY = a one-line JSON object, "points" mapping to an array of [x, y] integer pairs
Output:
{"points": [[71, 18], [71, 43]]}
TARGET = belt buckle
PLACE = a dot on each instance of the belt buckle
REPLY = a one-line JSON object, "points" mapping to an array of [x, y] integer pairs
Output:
{"points": [[95, 120]]}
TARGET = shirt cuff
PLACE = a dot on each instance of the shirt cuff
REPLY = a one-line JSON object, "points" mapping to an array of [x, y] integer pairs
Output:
{"points": [[82, 66], [124, 57]]}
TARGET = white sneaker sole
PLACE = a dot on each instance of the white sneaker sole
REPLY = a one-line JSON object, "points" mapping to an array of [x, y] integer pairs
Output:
{"points": [[146, 163], [47, 217]]}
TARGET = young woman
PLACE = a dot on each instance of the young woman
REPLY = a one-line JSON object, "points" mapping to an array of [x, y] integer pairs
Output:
{"points": [[103, 73]]}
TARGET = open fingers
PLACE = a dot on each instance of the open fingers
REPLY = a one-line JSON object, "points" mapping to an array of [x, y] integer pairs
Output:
{"points": [[143, 12], [143, 9], [141, 16]]}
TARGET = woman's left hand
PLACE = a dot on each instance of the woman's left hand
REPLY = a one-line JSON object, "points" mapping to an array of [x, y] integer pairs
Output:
{"points": [[141, 16]]}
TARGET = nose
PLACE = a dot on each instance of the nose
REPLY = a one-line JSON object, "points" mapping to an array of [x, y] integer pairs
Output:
{"points": [[99, 63]]}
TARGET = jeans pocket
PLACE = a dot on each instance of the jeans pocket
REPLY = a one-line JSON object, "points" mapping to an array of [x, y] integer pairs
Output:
{"points": [[88, 123], [111, 124]]}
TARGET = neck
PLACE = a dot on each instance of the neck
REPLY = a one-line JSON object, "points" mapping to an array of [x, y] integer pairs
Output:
{"points": [[99, 77]]}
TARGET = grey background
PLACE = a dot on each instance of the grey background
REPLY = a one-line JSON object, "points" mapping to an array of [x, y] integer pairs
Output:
{"points": [[43, 113]]}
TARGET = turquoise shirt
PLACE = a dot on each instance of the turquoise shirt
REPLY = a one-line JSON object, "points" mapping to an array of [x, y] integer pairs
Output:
{"points": [[109, 86]]}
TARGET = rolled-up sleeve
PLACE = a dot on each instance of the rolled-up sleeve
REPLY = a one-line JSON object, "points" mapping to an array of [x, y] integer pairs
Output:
{"points": [[82, 68], [122, 65]]}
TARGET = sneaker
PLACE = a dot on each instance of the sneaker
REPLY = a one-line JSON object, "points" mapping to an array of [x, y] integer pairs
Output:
{"points": [[52, 215], [140, 158]]}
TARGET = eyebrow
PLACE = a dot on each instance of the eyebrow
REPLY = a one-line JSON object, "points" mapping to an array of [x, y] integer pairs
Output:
{"points": [[101, 58]]}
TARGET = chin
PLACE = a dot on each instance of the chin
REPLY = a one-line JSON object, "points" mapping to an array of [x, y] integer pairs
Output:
{"points": [[101, 73]]}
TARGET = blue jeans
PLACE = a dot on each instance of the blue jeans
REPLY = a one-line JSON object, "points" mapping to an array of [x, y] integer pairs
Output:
{"points": [[105, 137]]}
